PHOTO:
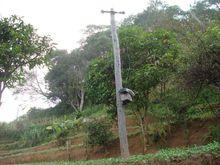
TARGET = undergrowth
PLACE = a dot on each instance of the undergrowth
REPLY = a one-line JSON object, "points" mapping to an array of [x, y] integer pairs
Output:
{"points": [[164, 155]]}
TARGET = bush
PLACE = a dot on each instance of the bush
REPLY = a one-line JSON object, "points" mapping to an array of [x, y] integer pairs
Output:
{"points": [[98, 133], [91, 111], [61, 130], [157, 132], [60, 109], [201, 112], [34, 135], [161, 112], [213, 134], [9, 132]]}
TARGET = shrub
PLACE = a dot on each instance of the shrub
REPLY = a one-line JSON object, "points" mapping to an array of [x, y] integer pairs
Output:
{"points": [[200, 112], [62, 129], [60, 109], [9, 132], [161, 112], [157, 132], [98, 133], [213, 134], [34, 135], [91, 111]]}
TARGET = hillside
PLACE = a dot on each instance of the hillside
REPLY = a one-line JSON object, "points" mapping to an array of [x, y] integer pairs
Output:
{"points": [[158, 69], [77, 151]]}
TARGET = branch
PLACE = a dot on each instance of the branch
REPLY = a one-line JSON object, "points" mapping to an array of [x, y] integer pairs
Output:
{"points": [[41, 91]]}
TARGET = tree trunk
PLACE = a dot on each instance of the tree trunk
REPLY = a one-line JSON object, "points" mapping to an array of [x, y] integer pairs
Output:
{"points": [[202, 25], [82, 100], [164, 89], [140, 119], [161, 91], [0, 99], [78, 104], [74, 107], [144, 136], [2, 88]]}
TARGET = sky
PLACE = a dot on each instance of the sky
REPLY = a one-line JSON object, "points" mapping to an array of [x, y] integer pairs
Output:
{"points": [[63, 21]]}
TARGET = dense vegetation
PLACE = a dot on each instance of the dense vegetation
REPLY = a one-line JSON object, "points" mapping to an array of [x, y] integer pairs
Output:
{"points": [[170, 59]]}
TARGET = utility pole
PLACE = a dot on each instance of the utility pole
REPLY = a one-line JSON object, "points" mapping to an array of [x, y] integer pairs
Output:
{"points": [[118, 82]]}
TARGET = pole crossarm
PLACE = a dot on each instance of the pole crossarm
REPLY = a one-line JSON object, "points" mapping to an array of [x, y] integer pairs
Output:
{"points": [[112, 12]]}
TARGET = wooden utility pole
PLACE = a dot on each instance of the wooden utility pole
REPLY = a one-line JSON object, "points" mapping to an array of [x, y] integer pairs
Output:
{"points": [[118, 82]]}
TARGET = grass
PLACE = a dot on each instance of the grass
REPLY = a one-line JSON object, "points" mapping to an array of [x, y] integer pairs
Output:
{"points": [[164, 154], [25, 153], [94, 111], [30, 150]]}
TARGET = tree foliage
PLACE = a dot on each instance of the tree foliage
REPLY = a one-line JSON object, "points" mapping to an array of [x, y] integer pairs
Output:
{"points": [[145, 56], [20, 48], [66, 79], [204, 67]]}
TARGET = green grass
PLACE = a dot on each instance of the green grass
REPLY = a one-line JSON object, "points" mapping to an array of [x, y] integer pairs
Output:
{"points": [[164, 154], [94, 111], [26, 152]]}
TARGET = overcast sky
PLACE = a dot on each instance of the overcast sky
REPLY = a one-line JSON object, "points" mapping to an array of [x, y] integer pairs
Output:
{"points": [[64, 21]]}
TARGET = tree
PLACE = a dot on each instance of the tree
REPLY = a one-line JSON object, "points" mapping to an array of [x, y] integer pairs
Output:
{"points": [[67, 75], [96, 43], [141, 51], [204, 67], [20, 49], [148, 60], [160, 15], [66, 79], [100, 83]]}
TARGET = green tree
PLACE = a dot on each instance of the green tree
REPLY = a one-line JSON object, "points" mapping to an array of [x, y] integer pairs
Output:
{"points": [[66, 76], [141, 52], [96, 43], [159, 15], [149, 59], [66, 79], [204, 64], [20, 49]]}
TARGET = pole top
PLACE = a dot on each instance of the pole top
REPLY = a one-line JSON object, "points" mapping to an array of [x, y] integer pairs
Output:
{"points": [[112, 11]]}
